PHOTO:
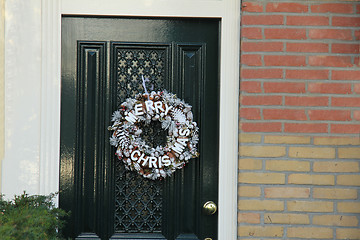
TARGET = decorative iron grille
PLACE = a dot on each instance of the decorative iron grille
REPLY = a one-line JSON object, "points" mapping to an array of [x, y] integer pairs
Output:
{"points": [[137, 62], [138, 201]]}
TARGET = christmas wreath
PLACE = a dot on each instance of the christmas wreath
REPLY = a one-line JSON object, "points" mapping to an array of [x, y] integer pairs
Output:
{"points": [[175, 117]]}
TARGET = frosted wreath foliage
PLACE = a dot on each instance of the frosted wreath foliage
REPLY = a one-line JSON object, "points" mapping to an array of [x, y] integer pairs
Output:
{"points": [[175, 117]]}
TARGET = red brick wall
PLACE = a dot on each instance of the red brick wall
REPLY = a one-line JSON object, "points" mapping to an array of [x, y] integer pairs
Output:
{"points": [[300, 67], [299, 141]]}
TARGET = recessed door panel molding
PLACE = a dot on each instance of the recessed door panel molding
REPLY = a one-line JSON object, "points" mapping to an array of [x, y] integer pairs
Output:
{"points": [[83, 157], [91, 109], [138, 201]]}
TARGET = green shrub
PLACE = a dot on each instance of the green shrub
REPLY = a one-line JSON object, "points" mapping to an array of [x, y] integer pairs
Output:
{"points": [[30, 217]]}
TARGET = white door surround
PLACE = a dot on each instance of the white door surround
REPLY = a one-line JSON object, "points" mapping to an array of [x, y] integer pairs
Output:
{"points": [[33, 78]]}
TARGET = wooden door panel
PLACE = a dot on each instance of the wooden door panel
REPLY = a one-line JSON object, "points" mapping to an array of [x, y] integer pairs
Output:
{"points": [[91, 144], [98, 73]]}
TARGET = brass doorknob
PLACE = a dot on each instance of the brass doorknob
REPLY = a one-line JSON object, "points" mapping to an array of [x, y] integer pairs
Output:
{"points": [[209, 208]]}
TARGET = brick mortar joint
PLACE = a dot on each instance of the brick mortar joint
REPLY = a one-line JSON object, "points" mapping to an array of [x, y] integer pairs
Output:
{"points": [[299, 136]]}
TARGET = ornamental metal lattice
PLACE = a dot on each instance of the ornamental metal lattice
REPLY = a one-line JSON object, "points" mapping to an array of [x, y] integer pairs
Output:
{"points": [[153, 134], [138, 201], [134, 63]]}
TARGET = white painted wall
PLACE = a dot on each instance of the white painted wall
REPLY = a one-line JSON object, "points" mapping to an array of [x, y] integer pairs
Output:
{"points": [[2, 82], [32, 89], [20, 166]]}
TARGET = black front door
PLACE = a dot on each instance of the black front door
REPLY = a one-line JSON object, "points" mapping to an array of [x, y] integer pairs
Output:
{"points": [[103, 60]]}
